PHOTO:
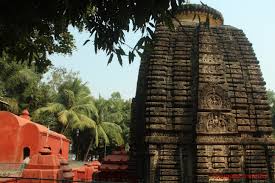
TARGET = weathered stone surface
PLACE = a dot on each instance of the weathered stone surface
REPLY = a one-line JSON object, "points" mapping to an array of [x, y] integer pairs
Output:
{"points": [[200, 107]]}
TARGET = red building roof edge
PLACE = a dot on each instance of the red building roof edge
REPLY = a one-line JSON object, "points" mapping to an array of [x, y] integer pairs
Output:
{"points": [[42, 129]]}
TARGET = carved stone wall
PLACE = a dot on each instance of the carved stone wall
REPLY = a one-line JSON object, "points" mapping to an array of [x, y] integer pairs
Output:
{"points": [[201, 108]]}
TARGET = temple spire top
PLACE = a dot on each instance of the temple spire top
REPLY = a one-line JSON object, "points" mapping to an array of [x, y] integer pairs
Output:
{"points": [[198, 13]]}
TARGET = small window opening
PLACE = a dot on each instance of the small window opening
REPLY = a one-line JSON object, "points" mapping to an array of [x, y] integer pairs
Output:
{"points": [[60, 151], [26, 152]]}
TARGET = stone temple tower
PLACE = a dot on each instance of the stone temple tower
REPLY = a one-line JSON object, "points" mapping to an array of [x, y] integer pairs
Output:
{"points": [[201, 111]]}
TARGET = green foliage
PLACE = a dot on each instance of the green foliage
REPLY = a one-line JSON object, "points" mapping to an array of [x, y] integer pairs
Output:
{"points": [[109, 127], [72, 106], [114, 133], [58, 76], [31, 30], [9, 104], [19, 85], [65, 104], [116, 110]]}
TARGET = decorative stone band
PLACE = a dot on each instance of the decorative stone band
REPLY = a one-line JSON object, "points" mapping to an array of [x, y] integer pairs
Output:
{"points": [[231, 140], [195, 13]]}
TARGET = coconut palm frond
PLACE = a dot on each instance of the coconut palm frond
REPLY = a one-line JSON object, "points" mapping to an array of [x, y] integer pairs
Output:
{"points": [[84, 121], [88, 109], [113, 131], [63, 116], [111, 125], [50, 108], [73, 116], [40, 110], [53, 107], [118, 116], [102, 134], [84, 98]]}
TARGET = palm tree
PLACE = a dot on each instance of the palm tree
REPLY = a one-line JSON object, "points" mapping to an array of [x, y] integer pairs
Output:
{"points": [[72, 108], [109, 132]]}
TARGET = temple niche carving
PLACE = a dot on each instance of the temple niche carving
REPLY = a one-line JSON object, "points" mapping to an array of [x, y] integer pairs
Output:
{"points": [[212, 96], [216, 123], [201, 107]]}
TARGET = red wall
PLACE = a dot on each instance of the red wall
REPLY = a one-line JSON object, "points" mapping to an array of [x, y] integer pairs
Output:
{"points": [[29, 137], [56, 143], [17, 132], [9, 128]]}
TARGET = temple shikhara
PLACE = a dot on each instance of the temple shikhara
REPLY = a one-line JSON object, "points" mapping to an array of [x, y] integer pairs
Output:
{"points": [[201, 111]]}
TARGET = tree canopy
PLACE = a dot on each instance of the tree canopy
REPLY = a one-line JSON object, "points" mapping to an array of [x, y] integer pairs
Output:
{"points": [[19, 86], [64, 103], [32, 30], [72, 106]]}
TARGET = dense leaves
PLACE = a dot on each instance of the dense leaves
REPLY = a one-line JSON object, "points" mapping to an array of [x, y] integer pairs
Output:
{"points": [[73, 111], [19, 86], [32, 30], [112, 122], [72, 107], [64, 103]]}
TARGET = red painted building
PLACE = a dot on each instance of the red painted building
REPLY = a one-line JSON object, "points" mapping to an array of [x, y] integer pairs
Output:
{"points": [[20, 137], [48, 152]]}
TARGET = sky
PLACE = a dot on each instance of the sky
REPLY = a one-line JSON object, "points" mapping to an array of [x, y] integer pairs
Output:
{"points": [[255, 18]]}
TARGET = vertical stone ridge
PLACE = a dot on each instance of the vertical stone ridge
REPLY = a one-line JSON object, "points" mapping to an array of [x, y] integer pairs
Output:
{"points": [[167, 101], [253, 120], [257, 156], [137, 160], [182, 100], [214, 115], [195, 91], [201, 108]]}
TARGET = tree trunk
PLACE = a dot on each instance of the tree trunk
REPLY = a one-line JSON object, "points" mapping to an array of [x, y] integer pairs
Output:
{"points": [[88, 150], [104, 149], [64, 129]]}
